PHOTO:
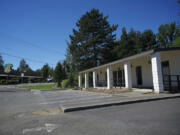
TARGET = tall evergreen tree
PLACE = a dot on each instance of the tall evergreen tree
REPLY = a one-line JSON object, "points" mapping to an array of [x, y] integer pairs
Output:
{"points": [[127, 44], [92, 41], [131, 42], [51, 70], [1, 64], [70, 65], [45, 71], [134, 42], [65, 69], [23, 66], [145, 40], [148, 40], [58, 74], [121, 49]]}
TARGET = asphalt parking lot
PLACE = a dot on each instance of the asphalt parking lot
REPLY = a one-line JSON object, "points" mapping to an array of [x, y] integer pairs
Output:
{"points": [[18, 100], [16, 106]]}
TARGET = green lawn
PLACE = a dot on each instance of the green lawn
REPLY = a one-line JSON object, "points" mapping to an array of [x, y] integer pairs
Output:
{"points": [[41, 87]]}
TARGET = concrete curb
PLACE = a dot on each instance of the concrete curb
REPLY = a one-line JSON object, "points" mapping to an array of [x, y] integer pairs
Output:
{"points": [[7, 91], [79, 108]]}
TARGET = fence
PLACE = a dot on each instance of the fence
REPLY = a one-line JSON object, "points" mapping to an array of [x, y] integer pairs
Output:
{"points": [[172, 83]]}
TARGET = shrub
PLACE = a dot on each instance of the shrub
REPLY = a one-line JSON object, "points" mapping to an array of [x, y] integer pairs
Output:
{"points": [[31, 80], [65, 83], [76, 80], [73, 80], [13, 81], [2, 81]]}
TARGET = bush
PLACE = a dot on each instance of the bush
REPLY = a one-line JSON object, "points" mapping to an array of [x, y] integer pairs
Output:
{"points": [[13, 81], [2, 81], [76, 80], [31, 80], [73, 80], [65, 83]]}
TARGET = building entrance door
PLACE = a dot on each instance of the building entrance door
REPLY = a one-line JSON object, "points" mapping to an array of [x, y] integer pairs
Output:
{"points": [[139, 75]]}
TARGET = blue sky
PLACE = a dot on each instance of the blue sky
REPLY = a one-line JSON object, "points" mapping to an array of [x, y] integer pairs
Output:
{"points": [[38, 29]]}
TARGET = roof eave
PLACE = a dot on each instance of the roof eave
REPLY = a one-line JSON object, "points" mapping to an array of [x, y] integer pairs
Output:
{"points": [[131, 57]]}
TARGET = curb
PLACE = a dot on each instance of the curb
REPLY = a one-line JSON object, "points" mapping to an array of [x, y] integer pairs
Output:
{"points": [[79, 108], [7, 91]]}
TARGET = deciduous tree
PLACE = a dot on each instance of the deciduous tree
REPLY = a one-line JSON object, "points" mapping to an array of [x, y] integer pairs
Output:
{"points": [[167, 34]]}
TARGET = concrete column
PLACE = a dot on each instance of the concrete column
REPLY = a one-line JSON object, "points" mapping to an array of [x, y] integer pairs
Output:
{"points": [[94, 79], [127, 74], [80, 80], [86, 81], [109, 78], [157, 72]]}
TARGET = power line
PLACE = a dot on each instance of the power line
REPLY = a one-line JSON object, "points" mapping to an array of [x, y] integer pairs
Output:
{"points": [[28, 59], [7, 48], [30, 43]]}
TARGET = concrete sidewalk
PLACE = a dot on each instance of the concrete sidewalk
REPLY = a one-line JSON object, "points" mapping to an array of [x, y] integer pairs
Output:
{"points": [[120, 99]]}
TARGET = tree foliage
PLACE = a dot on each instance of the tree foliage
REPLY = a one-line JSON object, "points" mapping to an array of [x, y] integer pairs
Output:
{"points": [[167, 34], [58, 74], [133, 42], [176, 42], [24, 67], [91, 41], [45, 71], [1, 64]]}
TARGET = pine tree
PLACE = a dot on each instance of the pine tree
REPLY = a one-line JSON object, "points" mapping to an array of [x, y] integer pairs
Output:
{"points": [[22, 66], [45, 71], [1, 64], [58, 74], [91, 44]]}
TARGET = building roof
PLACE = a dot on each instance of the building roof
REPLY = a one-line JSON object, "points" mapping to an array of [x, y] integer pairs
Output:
{"points": [[131, 57]]}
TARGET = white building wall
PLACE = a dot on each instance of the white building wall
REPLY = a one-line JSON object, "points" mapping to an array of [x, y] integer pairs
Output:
{"points": [[157, 72], [86, 81], [174, 61], [80, 80], [101, 73], [94, 79], [109, 78], [128, 75], [117, 66], [145, 63]]}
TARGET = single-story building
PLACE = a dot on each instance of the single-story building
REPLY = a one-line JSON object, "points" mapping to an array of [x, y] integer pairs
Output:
{"points": [[157, 69]]}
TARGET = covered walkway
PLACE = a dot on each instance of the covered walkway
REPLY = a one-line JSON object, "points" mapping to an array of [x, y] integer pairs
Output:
{"points": [[144, 70]]}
